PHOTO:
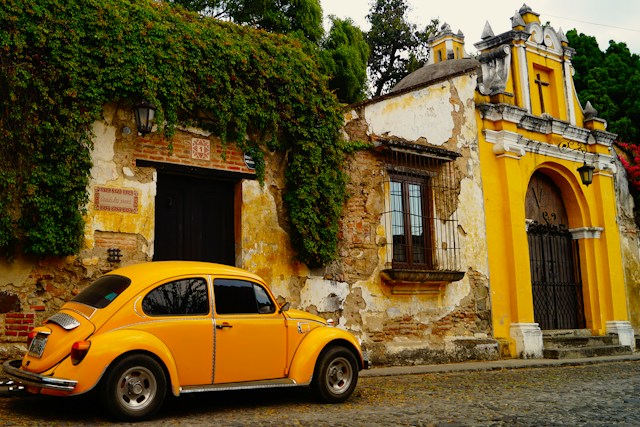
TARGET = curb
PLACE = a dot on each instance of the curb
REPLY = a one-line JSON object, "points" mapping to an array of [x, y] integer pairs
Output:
{"points": [[493, 365]]}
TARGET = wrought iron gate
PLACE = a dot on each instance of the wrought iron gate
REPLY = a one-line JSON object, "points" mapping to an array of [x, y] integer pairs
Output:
{"points": [[555, 277]]}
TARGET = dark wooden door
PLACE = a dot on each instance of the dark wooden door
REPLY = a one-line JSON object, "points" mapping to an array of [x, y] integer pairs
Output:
{"points": [[554, 258], [194, 219]]}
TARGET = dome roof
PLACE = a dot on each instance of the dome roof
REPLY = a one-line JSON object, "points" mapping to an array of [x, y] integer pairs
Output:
{"points": [[437, 71]]}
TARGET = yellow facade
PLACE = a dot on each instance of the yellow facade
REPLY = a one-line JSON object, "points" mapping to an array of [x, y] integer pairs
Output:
{"points": [[531, 122]]}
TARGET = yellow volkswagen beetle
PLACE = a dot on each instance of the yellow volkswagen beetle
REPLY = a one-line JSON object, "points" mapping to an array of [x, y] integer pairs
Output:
{"points": [[144, 330]]}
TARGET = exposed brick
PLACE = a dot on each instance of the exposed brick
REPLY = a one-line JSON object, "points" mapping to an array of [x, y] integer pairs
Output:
{"points": [[17, 327], [15, 315]]}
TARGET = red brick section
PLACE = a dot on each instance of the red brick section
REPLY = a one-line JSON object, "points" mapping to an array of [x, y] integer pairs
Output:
{"points": [[18, 324], [124, 241], [154, 148]]}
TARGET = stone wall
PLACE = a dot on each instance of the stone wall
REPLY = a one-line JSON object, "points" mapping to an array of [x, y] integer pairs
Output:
{"points": [[32, 289], [630, 244], [450, 324]]}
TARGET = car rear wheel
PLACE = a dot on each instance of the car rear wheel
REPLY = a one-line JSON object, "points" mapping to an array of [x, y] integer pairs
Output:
{"points": [[134, 388], [336, 375]]}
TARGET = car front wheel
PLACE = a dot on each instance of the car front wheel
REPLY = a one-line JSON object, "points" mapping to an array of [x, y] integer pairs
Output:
{"points": [[336, 375], [134, 388]]}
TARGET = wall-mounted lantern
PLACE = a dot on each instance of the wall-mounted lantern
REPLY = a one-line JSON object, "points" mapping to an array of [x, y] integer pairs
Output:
{"points": [[145, 114], [586, 173]]}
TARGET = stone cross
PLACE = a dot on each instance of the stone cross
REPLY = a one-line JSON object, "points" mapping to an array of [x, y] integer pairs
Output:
{"points": [[540, 83]]}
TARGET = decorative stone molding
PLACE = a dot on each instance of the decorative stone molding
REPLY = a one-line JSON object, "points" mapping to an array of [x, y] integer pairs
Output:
{"points": [[507, 144], [528, 338], [500, 112], [496, 66], [624, 331], [604, 138], [515, 145], [545, 124], [586, 232]]}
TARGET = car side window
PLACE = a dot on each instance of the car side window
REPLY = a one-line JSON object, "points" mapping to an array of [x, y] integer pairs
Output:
{"points": [[180, 297], [241, 297]]}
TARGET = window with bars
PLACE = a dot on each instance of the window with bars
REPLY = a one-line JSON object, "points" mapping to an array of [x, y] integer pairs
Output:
{"points": [[421, 202], [411, 229]]}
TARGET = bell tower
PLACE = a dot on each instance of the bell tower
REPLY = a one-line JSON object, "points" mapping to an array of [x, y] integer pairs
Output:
{"points": [[446, 45], [529, 67]]}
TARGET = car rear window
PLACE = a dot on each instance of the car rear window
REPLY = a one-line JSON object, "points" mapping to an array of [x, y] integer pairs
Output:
{"points": [[103, 291]]}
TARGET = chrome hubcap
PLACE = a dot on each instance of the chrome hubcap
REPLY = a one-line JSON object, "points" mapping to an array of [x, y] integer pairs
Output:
{"points": [[136, 388], [339, 375]]}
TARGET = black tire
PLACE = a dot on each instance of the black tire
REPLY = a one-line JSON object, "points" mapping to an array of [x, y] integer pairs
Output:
{"points": [[335, 375], [134, 388]]}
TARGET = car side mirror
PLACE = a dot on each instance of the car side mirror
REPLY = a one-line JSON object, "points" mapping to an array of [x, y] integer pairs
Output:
{"points": [[285, 306]]}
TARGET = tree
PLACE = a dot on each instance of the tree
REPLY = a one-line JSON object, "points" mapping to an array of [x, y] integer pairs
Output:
{"points": [[397, 47], [342, 55], [215, 8], [302, 18], [610, 80], [345, 54], [62, 62], [419, 55]]}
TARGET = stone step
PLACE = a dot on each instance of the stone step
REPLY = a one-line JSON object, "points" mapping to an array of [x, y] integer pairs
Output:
{"points": [[589, 351], [580, 341], [554, 333]]}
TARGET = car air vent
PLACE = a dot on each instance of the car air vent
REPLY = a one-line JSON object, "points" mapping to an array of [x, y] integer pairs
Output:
{"points": [[64, 320]]}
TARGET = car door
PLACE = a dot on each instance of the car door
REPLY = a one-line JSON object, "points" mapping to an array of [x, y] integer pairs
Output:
{"points": [[179, 314], [250, 335]]}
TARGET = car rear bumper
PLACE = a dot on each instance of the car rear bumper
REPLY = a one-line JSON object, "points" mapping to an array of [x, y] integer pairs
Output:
{"points": [[26, 378]]}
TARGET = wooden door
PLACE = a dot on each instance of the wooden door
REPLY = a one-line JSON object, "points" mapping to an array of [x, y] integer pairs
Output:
{"points": [[194, 219]]}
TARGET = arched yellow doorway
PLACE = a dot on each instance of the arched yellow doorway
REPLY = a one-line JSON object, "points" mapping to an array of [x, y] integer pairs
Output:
{"points": [[556, 281]]}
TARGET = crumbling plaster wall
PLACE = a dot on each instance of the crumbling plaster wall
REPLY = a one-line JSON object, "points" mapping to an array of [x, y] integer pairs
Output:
{"points": [[629, 244], [36, 288], [394, 329], [402, 329]]}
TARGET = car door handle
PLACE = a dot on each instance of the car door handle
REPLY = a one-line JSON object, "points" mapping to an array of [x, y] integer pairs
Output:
{"points": [[223, 325]]}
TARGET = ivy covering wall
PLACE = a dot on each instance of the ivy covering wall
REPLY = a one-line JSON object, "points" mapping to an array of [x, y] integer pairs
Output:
{"points": [[61, 61]]}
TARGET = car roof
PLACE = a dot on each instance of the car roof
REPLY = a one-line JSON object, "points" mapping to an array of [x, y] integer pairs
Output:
{"points": [[158, 270]]}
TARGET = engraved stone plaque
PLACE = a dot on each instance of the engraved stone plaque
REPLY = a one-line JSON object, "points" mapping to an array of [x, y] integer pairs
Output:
{"points": [[116, 200]]}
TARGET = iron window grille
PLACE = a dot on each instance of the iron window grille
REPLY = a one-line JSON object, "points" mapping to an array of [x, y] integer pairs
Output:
{"points": [[421, 202]]}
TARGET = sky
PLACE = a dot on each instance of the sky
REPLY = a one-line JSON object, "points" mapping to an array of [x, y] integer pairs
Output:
{"points": [[617, 20]]}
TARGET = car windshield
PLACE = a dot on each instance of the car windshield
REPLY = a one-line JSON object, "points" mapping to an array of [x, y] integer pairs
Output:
{"points": [[103, 291]]}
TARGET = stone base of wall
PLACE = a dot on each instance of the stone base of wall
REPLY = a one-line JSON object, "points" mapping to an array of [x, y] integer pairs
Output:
{"points": [[456, 350], [528, 340], [11, 351]]}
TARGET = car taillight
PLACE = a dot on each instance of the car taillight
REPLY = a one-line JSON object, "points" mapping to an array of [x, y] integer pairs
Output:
{"points": [[30, 337], [79, 350]]}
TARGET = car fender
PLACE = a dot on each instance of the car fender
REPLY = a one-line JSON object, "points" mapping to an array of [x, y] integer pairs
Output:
{"points": [[106, 348], [307, 353]]}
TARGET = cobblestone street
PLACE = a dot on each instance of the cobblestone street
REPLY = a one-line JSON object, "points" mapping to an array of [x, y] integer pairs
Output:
{"points": [[603, 394]]}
